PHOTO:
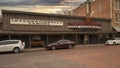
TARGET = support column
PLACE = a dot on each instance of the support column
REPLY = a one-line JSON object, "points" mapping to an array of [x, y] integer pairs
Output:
{"points": [[30, 41], [9, 37], [47, 39], [113, 36], [118, 34], [62, 36], [86, 39], [76, 39], [99, 36]]}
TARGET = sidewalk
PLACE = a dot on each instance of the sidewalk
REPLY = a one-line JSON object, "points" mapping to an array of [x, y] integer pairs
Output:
{"points": [[34, 49], [88, 45]]}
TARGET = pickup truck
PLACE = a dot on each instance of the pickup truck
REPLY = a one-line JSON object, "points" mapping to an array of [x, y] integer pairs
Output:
{"points": [[113, 41]]}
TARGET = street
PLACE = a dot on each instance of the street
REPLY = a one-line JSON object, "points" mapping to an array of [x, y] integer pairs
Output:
{"points": [[79, 57]]}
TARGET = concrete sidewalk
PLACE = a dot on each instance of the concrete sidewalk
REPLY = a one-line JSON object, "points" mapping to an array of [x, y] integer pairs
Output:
{"points": [[90, 45], [39, 49]]}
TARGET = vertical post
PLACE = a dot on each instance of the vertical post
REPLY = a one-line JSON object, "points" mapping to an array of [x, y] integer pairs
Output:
{"points": [[9, 37], [76, 39], [111, 10], [47, 39], [86, 39], [30, 40], [99, 36], [62, 36], [113, 36]]}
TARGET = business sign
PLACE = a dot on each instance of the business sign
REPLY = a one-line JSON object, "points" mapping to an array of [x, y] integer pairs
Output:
{"points": [[84, 25], [35, 22], [95, 27]]}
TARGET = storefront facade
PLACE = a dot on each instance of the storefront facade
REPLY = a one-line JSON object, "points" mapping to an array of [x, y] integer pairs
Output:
{"points": [[48, 28]]}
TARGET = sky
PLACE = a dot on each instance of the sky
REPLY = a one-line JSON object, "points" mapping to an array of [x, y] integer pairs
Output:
{"points": [[41, 6]]}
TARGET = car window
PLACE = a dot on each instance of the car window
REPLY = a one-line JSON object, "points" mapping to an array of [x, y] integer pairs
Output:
{"points": [[8, 42], [12, 42], [117, 38], [3, 43], [63, 41]]}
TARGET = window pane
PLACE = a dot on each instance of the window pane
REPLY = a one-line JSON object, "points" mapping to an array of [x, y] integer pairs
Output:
{"points": [[8, 42], [12, 42], [3, 43], [117, 17], [117, 4]]}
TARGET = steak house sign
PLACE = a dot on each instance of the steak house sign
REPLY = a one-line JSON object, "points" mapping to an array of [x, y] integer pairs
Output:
{"points": [[35, 22]]}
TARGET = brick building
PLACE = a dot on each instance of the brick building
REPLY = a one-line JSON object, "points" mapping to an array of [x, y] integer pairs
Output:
{"points": [[47, 28], [102, 9]]}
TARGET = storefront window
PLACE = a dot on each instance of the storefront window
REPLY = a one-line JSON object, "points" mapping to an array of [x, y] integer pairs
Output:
{"points": [[117, 17], [117, 4], [36, 38]]}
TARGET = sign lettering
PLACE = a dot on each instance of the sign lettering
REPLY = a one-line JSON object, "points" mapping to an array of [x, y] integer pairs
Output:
{"points": [[35, 22]]}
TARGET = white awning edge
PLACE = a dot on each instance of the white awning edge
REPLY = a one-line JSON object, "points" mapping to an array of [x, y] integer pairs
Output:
{"points": [[117, 28]]}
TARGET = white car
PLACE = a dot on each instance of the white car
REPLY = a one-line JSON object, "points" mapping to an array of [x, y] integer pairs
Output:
{"points": [[113, 41], [12, 45]]}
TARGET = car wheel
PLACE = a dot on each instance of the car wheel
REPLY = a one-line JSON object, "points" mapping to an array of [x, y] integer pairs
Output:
{"points": [[16, 50], [70, 46], [114, 43], [53, 47]]}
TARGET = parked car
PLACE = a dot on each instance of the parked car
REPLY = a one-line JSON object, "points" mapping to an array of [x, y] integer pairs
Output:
{"points": [[12, 45], [61, 44], [113, 41]]}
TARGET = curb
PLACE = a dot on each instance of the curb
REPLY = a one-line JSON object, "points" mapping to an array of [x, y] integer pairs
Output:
{"points": [[34, 49], [90, 45], [38, 49]]}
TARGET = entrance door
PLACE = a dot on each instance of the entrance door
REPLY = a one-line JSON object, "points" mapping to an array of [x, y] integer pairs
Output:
{"points": [[93, 39], [80, 39]]}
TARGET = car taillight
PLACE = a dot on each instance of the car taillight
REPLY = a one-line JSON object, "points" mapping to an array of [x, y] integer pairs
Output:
{"points": [[23, 43]]}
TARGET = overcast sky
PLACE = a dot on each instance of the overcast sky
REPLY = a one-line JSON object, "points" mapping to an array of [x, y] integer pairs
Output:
{"points": [[42, 6]]}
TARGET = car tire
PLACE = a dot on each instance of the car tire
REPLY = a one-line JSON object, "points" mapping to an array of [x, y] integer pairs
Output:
{"points": [[53, 48], [16, 50], [114, 43], [70, 46]]}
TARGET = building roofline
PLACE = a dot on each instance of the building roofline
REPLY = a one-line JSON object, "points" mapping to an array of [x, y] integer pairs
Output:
{"points": [[46, 14]]}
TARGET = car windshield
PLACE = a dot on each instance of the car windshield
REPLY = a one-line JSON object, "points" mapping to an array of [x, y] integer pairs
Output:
{"points": [[62, 41], [115, 39]]}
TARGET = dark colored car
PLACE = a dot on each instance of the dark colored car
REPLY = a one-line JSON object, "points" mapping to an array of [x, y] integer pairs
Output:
{"points": [[61, 44]]}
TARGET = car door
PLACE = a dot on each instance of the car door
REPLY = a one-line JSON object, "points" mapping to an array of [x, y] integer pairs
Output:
{"points": [[60, 44], [3, 46], [10, 45], [7, 45], [119, 41], [63, 44]]}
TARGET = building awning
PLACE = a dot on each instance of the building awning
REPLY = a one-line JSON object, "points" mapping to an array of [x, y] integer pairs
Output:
{"points": [[117, 28]]}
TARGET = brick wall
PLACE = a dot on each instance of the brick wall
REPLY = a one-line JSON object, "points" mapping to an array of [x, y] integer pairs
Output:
{"points": [[100, 8]]}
